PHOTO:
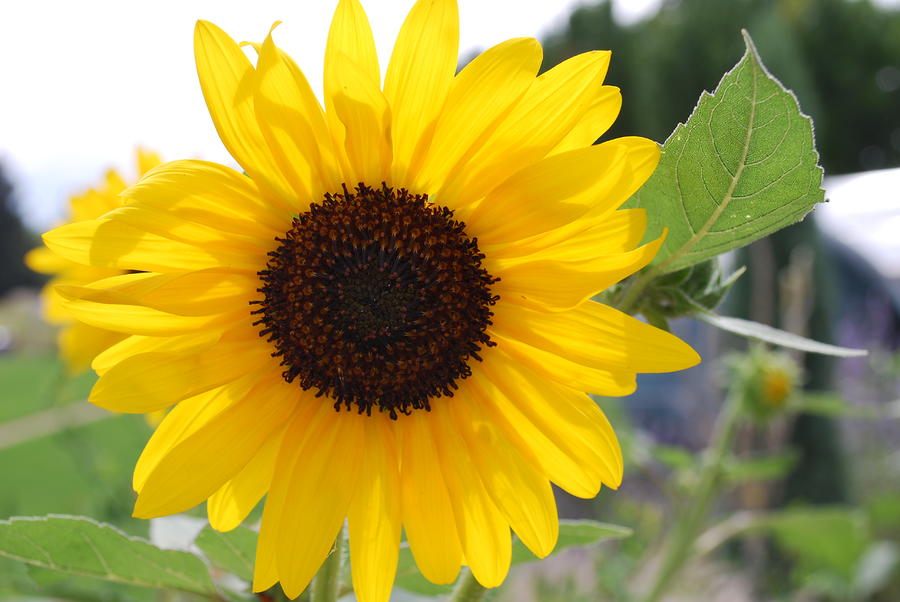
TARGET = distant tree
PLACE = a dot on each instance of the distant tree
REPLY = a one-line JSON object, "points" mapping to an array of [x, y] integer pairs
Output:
{"points": [[15, 241]]}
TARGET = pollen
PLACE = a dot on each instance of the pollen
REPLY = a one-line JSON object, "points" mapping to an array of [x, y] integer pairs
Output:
{"points": [[376, 298]]}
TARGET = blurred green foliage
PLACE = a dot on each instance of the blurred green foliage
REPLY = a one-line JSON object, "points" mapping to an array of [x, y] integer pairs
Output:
{"points": [[66, 471]]}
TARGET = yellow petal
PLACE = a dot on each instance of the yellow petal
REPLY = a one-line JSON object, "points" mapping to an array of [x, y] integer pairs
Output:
{"points": [[373, 519], [164, 223], [565, 372], [265, 570], [427, 512], [147, 160], [231, 504], [138, 319], [561, 285], [185, 419], [155, 380], [559, 189], [593, 123], [483, 532], [349, 36], [312, 491], [45, 261], [136, 344], [563, 428], [361, 107], [596, 335], [80, 343], [212, 194], [92, 204], [293, 123], [479, 99], [521, 494], [579, 475], [553, 104], [195, 468], [112, 244], [197, 293], [227, 79], [419, 77], [54, 310], [597, 233]]}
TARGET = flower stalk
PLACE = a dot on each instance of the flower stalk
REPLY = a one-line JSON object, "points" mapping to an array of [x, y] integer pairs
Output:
{"points": [[468, 589], [678, 545]]}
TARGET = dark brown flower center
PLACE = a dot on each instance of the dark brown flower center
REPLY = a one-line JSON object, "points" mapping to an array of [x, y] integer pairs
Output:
{"points": [[376, 298]]}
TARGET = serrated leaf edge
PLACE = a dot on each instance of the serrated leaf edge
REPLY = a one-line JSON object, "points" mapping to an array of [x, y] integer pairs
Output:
{"points": [[51, 565], [751, 53]]}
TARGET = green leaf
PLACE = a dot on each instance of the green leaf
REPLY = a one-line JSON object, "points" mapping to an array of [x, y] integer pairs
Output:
{"points": [[762, 332], [674, 457], [572, 533], [81, 546], [743, 166], [234, 551], [823, 538], [737, 471], [826, 404]]}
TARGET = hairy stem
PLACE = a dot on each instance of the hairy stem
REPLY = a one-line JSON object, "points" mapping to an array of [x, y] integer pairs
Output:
{"points": [[468, 589], [629, 297]]}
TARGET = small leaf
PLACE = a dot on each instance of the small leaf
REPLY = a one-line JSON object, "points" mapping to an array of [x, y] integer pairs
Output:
{"points": [[826, 404], [572, 533], [821, 537], [743, 166], [81, 546], [755, 330], [674, 457], [737, 471], [234, 551]]}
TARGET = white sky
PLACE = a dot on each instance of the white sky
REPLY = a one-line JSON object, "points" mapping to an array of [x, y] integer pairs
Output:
{"points": [[86, 81], [864, 213]]}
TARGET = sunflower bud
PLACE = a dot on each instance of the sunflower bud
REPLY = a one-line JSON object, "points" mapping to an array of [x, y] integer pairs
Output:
{"points": [[766, 379]]}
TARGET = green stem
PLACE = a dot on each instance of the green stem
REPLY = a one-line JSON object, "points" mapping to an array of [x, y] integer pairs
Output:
{"points": [[468, 589], [627, 300], [679, 543], [328, 579]]}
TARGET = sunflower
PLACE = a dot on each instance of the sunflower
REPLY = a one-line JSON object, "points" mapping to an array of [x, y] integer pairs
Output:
{"points": [[79, 343], [387, 318]]}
